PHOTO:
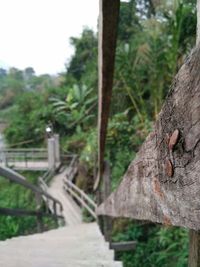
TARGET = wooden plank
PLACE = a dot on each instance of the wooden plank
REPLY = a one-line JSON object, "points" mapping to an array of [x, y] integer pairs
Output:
{"points": [[108, 19], [162, 184], [123, 246]]}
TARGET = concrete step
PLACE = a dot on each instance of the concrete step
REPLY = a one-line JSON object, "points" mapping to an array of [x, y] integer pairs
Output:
{"points": [[76, 251], [81, 231], [74, 246], [49, 263]]}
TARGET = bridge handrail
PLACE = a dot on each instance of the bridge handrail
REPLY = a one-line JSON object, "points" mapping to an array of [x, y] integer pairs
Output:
{"points": [[47, 176], [11, 157], [81, 197], [19, 179], [65, 156], [22, 212], [23, 149], [73, 165]]}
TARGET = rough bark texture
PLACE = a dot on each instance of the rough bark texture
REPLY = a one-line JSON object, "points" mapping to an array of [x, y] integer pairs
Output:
{"points": [[148, 190], [108, 19]]}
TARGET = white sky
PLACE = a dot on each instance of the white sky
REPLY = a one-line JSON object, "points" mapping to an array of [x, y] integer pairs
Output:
{"points": [[35, 33]]}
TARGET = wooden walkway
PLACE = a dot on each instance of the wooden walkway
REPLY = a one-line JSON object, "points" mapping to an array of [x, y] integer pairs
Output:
{"points": [[71, 211], [33, 159], [30, 165]]}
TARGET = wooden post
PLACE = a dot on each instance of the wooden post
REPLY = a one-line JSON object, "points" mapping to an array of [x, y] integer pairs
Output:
{"points": [[57, 148], [107, 221], [194, 249], [40, 227], [99, 200], [55, 213], [25, 159], [51, 154]]}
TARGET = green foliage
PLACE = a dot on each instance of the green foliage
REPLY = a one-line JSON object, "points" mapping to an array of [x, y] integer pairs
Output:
{"points": [[124, 138], [89, 152], [15, 82], [147, 61], [157, 246], [16, 196], [87, 217], [82, 68], [29, 120], [32, 114], [77, 108]]}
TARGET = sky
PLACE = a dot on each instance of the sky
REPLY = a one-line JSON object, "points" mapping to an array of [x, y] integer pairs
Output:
{"points": [[35, 33]]}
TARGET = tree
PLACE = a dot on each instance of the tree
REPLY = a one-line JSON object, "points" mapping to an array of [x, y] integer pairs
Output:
{"points": [[29, 73], [82, 68]]}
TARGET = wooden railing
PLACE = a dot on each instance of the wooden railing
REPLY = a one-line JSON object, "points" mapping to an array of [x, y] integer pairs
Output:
{"points": [[43, 182], [68, 158], [56, 211], [47, 176], [80, 197], [83, 200], [24, 158], [73, 168]]}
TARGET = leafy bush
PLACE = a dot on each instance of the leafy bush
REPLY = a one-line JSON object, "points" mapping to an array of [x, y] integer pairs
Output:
{"points": [[16, 196], [157, 246]]}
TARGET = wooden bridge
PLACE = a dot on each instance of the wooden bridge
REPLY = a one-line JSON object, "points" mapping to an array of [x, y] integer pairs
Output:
{"points": [[25, 159], [32, 159]]}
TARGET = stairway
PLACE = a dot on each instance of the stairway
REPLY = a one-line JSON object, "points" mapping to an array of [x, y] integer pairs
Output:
{"points": [[77, 244], [81, 245]]}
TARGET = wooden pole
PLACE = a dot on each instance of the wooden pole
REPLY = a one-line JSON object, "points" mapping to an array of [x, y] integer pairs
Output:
{"points": [[40, 227], [108, 20], [107, 221]]}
